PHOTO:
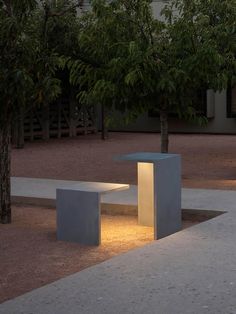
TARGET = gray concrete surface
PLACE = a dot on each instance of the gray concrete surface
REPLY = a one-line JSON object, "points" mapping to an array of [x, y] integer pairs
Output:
{"points": [[192, 271]]}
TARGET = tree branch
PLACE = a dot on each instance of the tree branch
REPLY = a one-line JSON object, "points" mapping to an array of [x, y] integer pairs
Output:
{"points": [[8, 8]]}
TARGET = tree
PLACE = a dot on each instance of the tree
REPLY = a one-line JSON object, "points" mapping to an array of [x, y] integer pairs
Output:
{"points": [[15, 84], [201, 44], [105, 37], [26, 79], [56, 28], [140, 63], [35, 39]]}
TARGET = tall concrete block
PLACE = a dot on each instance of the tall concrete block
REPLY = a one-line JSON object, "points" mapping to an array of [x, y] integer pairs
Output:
{"points": [[167, 197], [159, 191]]}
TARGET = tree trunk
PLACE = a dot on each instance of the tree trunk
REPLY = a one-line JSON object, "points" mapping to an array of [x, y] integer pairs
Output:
{"points": [[5, 188], [18, 130], [164, 131], [19, 140], [104, 134]]}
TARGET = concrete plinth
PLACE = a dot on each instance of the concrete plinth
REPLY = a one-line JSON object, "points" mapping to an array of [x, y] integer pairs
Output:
{"points": [[159, 191]]}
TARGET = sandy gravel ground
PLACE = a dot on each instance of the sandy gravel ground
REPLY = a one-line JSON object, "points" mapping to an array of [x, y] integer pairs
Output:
{"points": [[32, 257], [208, 161]]}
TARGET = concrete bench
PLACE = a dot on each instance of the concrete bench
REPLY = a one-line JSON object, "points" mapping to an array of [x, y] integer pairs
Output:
{"points": [[79, 211]]}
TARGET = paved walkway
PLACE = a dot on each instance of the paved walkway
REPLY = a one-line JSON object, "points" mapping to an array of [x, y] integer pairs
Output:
{"points": [[192, 271]]}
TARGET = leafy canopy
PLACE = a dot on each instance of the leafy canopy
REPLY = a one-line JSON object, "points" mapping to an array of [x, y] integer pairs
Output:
{"points": [[138, 62], [28, 64]]}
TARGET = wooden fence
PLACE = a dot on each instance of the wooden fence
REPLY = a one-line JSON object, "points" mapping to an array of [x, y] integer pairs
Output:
{"points": [[57, 120]]}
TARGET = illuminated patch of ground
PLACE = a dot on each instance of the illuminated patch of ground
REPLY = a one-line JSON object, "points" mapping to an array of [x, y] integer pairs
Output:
{"points": [[32, 257]]}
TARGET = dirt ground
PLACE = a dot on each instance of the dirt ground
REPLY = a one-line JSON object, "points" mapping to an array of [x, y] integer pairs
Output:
{"points": [[31, 257], [208, 161]]}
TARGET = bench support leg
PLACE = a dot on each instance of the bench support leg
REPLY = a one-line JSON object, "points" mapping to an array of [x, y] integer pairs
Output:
{"points": [[159, 196], [167, 197], [78, 217]]}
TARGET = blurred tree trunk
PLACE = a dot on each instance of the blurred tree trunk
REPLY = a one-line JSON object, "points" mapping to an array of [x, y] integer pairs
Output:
{"points": [[18, 131], [104, 134], [5, 188], [164, 131]]}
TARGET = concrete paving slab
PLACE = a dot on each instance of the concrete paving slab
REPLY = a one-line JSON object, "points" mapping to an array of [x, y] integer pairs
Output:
{"points": [[192, 271]]}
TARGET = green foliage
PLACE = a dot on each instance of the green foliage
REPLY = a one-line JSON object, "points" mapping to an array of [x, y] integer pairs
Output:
{"points": [[34, 42], [15, 81], [59, 26], [136, 62], [118, 54]]}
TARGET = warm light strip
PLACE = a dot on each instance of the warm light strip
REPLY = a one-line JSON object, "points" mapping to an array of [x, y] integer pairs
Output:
{"points": [[146, 194]]}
